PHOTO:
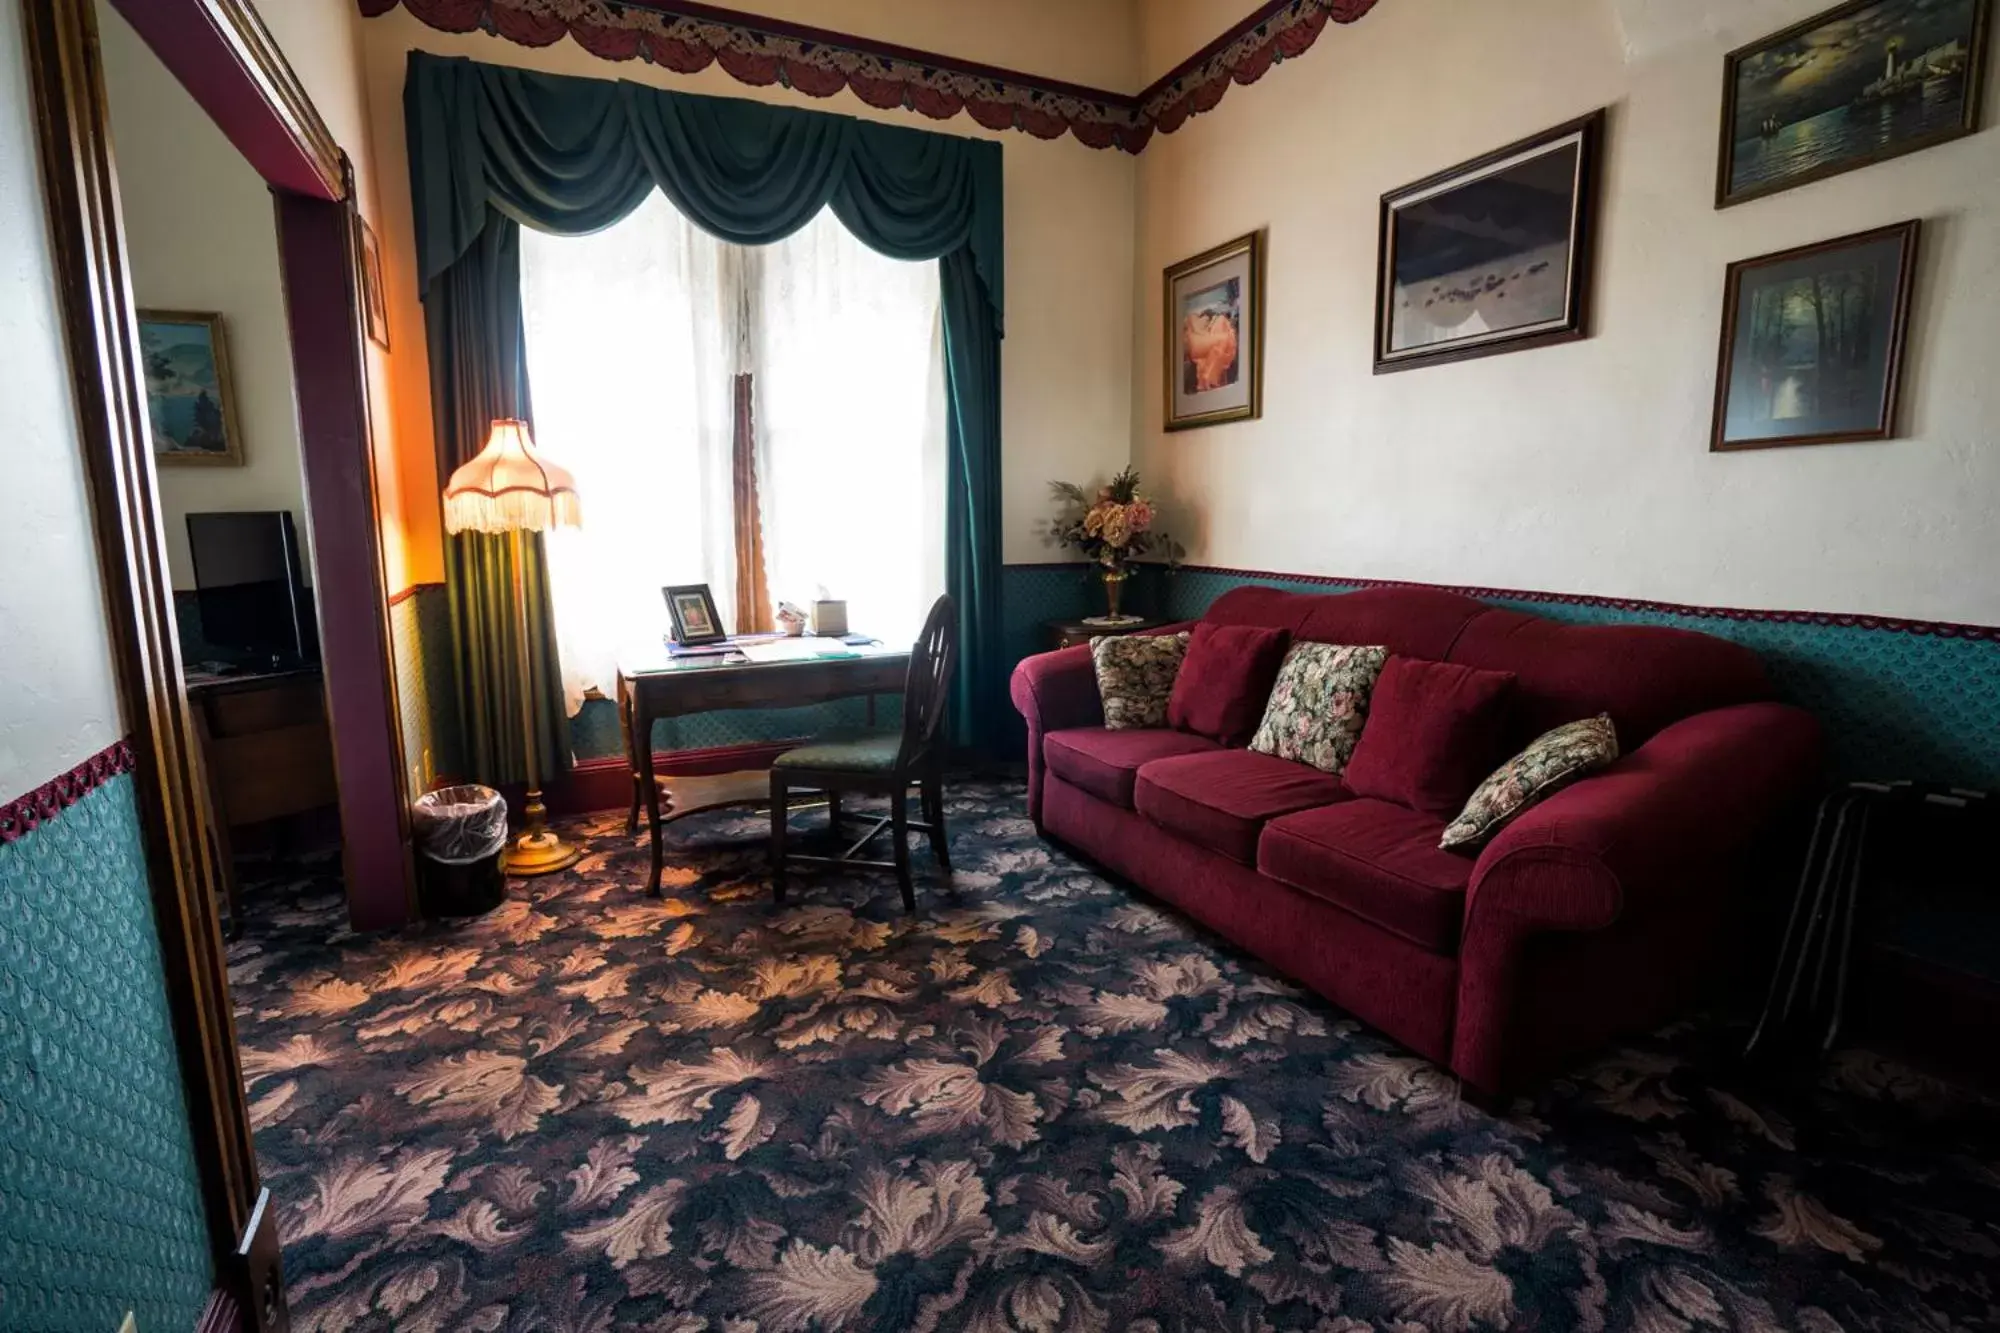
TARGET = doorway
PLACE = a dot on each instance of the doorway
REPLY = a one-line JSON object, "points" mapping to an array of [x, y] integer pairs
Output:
{"points": [[220, 53]]}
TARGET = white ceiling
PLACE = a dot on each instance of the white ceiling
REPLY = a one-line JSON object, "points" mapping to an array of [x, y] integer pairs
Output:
{"points": [[1652, 27]]}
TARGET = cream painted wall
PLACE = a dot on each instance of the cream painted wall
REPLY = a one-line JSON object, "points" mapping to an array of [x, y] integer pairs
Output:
{"points": [[1172, 30], [201, 235], [1582, 468], [58, 703], [1067, 362], [321, 40], [1091, 42]]}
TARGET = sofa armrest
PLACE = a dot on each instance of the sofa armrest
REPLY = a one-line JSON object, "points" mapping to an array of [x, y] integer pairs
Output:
{"points": [[1696, 794], [1664, 834], [1057, 690], [1053, 691]]}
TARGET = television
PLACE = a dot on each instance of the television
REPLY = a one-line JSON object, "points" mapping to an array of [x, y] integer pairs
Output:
{"points": [[250, 586]]}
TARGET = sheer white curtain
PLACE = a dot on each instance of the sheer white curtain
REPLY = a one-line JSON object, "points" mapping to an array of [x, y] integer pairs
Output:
{"points": [[851, 427], [632, 337], [634, 334]]}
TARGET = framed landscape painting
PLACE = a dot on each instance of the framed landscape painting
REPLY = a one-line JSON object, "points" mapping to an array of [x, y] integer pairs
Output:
{"points": [[1858, 84], [1812, 342], [1493, 255], [188, 394], [1214, 318]]}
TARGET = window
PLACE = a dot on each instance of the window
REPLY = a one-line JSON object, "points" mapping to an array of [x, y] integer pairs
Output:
{"points": [[636, 338]]}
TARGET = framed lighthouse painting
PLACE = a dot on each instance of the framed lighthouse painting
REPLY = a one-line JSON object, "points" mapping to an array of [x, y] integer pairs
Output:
{"points": [[1859, 84]]}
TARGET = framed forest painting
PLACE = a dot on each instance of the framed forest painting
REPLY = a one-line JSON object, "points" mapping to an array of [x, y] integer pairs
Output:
{"points": [[1861, 83], [1493, 255], [1812, 342]]}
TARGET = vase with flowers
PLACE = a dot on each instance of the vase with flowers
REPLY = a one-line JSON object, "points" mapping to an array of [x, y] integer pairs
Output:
{"points": [[1112, 529]]}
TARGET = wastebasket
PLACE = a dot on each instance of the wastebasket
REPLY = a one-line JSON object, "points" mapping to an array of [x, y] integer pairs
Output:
{"points": [[461, 835]]}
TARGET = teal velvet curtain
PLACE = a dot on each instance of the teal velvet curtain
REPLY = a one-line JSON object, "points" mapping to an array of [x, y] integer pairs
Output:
{"points": [[492, 148]]}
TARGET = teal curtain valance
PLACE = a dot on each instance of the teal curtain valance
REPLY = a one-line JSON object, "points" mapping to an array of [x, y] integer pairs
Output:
{"points": [[494, 149], [574, 155]]}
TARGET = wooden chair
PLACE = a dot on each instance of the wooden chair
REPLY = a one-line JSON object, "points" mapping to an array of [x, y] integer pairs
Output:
{"points": [[879, 762]]}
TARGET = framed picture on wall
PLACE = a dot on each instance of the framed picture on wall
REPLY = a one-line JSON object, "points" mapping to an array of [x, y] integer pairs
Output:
{"points": [[1493, 255], [1812, 342], [692, 607], [1214, 323], [1861, 83], [188, 393], [374, 302]]}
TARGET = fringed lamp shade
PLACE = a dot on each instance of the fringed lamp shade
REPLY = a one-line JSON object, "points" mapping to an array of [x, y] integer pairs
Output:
{"points": [[510, 488]]}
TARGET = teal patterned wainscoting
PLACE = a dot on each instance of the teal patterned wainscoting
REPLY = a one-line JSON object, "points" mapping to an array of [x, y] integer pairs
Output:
{"points": [[102, 1207], [427, 699], [1899, 699]]}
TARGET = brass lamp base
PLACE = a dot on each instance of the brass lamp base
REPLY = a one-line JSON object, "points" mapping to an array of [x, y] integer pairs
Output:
{"points": [[541, 853]]}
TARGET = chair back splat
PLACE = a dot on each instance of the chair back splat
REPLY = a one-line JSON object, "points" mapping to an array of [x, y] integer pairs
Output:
{"points": [[928, 683]]}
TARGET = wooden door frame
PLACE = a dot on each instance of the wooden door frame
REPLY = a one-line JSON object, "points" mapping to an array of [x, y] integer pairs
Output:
{"points": [[222, 53]]}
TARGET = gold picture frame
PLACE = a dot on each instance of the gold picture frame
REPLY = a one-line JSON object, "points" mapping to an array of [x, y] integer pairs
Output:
{"points": [[1212, 316], [190, 398]]}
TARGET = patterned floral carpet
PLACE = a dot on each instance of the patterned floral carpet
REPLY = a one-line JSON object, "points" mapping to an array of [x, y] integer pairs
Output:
{"points": [[1041, 1103]]}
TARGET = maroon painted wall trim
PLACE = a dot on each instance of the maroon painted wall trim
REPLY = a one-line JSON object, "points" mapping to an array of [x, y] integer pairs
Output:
{"points": [[397, 598], [1942, 629], [22, 815], [686, 36], [316, 251], [251, 94], [603, 784]]}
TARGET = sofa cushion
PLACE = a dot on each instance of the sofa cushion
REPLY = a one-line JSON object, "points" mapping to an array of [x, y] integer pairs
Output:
{"points": [[1434, 730], [1105, 762], [1645, 676], [1379, 861], [1318, 704], [1135, 676], [1551, 762], [1221, 800], [1419, 622], [1225, 681]]}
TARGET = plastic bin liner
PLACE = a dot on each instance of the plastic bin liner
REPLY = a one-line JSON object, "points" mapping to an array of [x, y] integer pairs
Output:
{"points": [[459, 825]]}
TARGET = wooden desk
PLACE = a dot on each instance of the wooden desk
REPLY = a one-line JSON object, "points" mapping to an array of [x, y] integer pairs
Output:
{"points": [[658, 686], [266, 752]]}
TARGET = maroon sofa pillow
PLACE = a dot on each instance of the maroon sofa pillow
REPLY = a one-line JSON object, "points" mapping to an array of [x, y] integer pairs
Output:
{"points": [[1434, 730], [1225, 681]]}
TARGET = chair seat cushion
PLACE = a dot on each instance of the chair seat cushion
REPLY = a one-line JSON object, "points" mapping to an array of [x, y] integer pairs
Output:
{"points": [[846, 750], [1105, 762], [1378, 860], [1221, 800]]}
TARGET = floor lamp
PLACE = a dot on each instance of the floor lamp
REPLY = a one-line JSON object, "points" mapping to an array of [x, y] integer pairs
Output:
{"points": [[511, 489]]}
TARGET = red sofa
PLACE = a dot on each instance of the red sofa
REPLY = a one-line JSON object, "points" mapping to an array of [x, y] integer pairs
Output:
{"points": [[1599, 910]]}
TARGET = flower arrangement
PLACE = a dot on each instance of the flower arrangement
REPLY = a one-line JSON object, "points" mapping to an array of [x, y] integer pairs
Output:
{"points": [[1111, 529]]}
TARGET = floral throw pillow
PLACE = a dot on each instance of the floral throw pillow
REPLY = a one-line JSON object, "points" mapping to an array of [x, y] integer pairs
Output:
{"points": [[1551, 762], [1135, 677], [1319, 703]]}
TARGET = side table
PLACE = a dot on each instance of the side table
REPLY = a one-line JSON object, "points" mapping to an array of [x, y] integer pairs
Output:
{"points": [[1070, 633]]}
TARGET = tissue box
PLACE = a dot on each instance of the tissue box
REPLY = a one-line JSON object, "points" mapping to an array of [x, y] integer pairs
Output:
{"points": [[830, 618]]}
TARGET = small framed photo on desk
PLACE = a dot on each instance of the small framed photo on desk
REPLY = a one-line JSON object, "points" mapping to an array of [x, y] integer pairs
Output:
{"points": [[693, 610]]}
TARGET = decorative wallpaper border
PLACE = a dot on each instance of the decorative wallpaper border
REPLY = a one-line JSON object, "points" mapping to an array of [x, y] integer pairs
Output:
{"points": [[688, 37], [1943, 629], [24, 814]]}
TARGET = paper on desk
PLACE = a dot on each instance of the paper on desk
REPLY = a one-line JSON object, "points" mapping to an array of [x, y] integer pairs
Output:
{"points": [[793, 650]]}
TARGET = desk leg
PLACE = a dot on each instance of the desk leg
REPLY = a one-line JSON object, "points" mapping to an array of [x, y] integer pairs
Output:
{"points": [[649, 787], [632, 765]]}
